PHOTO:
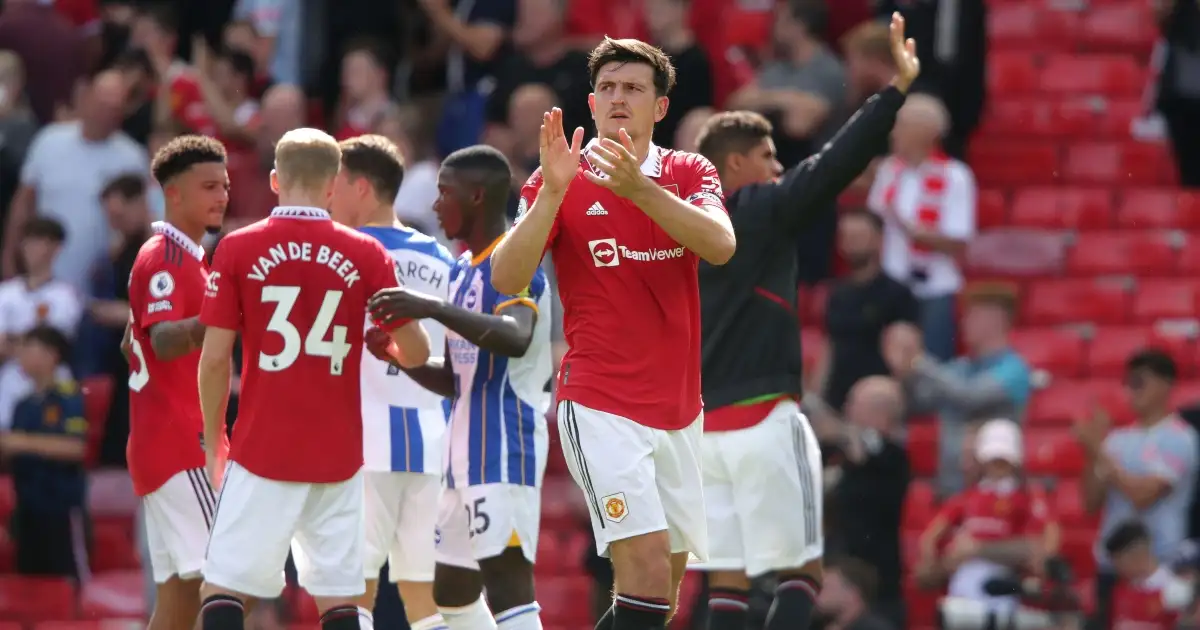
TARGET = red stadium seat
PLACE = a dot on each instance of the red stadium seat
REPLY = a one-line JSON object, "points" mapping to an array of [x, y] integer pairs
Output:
{"points": [[1011, 73], [92, 624], [97, 398], [1115, 117], [1110, 164], [1127, 27], [1068, 505], [7, 550], [920, 505], [1031, 27], [1000, 164], [1050, 302], [1185, 394], [991, 210], [1078, 547], [923, 447], [1106, 75], [8, 498], [35, 599], [1147, 208], [114, 544], [1157, 300], [1080, 208], [1120, 253], [1052, 452], [921, 605], [116, 594], [1058, 351], [1112, 347], [1065, 402]]}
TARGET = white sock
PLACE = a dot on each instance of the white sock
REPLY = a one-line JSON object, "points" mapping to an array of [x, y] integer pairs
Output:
{"points": [[524, 617], [432, 622], [470, 617], [366, 620]]}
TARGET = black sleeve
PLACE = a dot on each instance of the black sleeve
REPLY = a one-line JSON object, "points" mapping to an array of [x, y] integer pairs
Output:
{"points": [[813, 185], [496, 112], [907, 309]]}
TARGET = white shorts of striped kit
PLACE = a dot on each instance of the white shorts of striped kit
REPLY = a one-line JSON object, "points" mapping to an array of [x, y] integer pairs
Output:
{"points": [[763, 494], [179, 516]]}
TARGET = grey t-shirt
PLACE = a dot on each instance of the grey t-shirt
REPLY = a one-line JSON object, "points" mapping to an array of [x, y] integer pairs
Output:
{"points": [[822, 76], [1167, 450]]}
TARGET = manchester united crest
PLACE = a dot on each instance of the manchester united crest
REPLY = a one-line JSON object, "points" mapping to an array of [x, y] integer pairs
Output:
{"points": [[614, 507]]}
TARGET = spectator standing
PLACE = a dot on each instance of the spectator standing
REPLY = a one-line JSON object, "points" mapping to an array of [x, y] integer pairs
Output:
{"points": [[865, 494], [17, 125], [64, 171], [365, 95], [250, 194], [50, 47], [139, 74], [528, 103], [35, 298], [860, 307], [847, 595], [477, 31], [277, 26], [226, 82], [1179, 85], [669, 30], [990, 381], [418, 192], [1145, 471], [542, 55], [45, 449], [928, 202]]}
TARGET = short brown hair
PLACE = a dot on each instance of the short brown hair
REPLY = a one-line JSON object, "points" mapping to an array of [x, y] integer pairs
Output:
{"points": [[306, 159], [871, 39], [127, 186], [999, 294], [731, 132], [633, 51], [377, 160], [184, 152]]}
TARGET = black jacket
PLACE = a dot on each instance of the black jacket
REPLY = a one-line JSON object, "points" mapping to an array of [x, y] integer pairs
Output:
{"points": [[749, 330]]}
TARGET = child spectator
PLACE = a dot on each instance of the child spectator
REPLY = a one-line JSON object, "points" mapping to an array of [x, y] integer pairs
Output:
{"points": [[35, 297], [998, 528], [45, 450], [1147, 596]]}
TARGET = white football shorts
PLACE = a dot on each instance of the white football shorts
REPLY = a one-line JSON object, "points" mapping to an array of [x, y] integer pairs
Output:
{"points": [[480, 522], [401, 511], [179, 515], [763, 492], [259, 519], [636, 479]]}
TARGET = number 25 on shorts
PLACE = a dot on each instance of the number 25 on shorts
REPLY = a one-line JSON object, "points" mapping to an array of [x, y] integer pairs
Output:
{"points": [[478, 521], [315, 344]]}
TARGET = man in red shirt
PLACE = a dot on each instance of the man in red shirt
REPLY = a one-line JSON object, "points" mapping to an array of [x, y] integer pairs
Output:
{"points": [[1148, 596], [295, 285], [166, 449], [179, 98], [627, 224]]}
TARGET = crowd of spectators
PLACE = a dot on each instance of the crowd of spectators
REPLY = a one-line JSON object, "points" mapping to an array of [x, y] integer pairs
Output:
{"points": [[90, 88]]}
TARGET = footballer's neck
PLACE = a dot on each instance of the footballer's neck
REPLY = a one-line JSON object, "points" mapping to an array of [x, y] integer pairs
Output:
{"points": [[383, 215], [487, 229], [194, 232]]}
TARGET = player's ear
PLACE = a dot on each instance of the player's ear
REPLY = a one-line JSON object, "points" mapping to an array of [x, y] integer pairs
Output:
{"points": [[274, 182], [592, 104], [660, 108], [734, 161]]}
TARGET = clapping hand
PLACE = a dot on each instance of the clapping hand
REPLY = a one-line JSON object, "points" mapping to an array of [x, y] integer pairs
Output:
{"points": [[622, 169], [904, 53], [560, 161]]}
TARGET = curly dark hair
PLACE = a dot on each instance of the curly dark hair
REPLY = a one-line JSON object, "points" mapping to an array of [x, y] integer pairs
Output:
{"points": [[633, 51], [184, 152]]}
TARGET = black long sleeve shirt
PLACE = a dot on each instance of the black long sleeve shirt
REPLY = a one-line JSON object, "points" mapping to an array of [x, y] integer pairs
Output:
{"points": [[749, 328]]}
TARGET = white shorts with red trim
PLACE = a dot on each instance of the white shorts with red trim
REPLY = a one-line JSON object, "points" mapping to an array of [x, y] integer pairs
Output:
{"points": [[763, 492], [636, 479]]}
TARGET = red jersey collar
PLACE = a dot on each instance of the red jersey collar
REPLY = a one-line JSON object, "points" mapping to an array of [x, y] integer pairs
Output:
{"points": [[651, 166], [307, 213], [170, 231]]}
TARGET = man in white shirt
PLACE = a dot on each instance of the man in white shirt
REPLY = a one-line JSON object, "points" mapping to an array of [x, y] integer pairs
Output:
{"points": [[927, 201], [33, 298]]}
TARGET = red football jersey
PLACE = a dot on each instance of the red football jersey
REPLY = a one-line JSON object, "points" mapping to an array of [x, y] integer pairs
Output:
{"points": [[1141, 606], [187, 102], [165, 426], [631, 300], [991, 512], [296, 285]]}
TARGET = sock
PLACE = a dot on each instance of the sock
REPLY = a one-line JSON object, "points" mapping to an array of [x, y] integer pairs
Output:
{"points": [[727, 609], [366, 620], [793, 605], [524, 617], [606, 622], [470, 617], [341, 618], [432, 622], [222, 612], [640, 613]]}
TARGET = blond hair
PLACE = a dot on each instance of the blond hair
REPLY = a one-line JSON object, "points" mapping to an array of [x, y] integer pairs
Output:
{"points": [[306, 159]]}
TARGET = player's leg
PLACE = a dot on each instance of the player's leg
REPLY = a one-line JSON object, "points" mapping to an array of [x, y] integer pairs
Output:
{"points": [[382, 495], [178, 519], [612, 460], [252, 530], [506, 549], [414, 550], [328, 550], [778, 494], [457, 584], [728, 586], [681, 491]]}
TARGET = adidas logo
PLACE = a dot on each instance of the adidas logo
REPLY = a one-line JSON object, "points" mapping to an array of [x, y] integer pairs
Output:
{"points": [[597, 210]]}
